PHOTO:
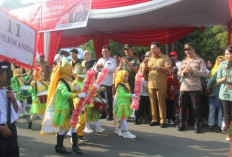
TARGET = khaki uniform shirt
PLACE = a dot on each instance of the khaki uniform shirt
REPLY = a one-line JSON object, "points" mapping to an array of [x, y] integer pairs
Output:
{"points": [[157, 78], [192, 82]]}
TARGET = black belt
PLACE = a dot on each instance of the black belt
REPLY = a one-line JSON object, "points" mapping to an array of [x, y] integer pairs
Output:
{"points": [[10, 124]]}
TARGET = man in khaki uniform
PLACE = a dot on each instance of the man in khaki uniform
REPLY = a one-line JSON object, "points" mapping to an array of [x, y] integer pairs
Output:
{"points": [[46, 68], [157, 67], [191, 70]]}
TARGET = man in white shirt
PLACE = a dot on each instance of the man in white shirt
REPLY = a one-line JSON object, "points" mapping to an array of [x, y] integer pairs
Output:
{"points": [[110, 63], [8, 115]]}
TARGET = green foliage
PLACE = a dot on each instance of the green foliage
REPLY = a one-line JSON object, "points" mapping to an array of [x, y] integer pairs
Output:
{"points": [[209, 44], [116, 48]]}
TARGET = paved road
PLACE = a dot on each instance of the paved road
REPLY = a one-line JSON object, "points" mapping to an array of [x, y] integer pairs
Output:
{"points": [[151, 142]]}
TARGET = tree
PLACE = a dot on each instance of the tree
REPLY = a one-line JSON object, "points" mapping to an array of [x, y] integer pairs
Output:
{"points": [[209, 43]]}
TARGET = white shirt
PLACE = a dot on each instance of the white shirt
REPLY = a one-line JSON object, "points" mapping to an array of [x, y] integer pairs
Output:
{"points": [[3, 108], [178, 64], [109, 63]]}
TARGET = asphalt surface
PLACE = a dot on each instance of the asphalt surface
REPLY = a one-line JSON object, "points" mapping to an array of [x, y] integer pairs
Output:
{"points": [[151, 141]]}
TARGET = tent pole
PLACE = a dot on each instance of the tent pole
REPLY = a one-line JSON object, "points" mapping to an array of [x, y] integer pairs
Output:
{"points": [[229, 33], [46, 44]]}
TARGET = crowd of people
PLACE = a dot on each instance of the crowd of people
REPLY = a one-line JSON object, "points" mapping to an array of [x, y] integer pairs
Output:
{"points": [[171, 93]]}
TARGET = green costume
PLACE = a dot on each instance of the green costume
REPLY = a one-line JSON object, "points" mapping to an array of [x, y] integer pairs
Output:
{"points": [[35, 88], [92, 113], [62, 114], [16, 83], [122, 105]]}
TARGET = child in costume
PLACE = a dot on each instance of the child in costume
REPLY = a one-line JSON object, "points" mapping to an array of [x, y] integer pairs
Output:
{"points": [[37, 85], [64, 93], [122, 104], [93, 115], [173, 88], [79, 73], [17, 81]]}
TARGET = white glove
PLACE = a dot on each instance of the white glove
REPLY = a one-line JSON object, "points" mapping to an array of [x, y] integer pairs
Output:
{"points": [[76, 87], [82, 95], [97, 86], [134, 96]]}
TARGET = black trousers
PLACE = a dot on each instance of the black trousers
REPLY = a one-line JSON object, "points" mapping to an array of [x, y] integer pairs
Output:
{"points": [[9, 145], [227, 109], [170, 109], [144, 108], [191, 100], [131, 82], [109, 97]]}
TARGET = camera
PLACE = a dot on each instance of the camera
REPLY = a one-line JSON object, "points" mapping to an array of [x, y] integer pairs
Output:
{"points": [[6, 66]]}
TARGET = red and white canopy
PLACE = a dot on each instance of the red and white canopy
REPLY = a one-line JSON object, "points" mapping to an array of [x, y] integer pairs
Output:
{"points": [[136, 22]]}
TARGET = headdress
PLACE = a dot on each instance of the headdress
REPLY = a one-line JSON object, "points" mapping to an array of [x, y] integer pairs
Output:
{"points": [[79, 71], [120, 78], [215, 67], [62, 70]]}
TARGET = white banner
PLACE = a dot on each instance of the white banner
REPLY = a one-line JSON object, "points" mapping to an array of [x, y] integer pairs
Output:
{"points": [[17, 40]]}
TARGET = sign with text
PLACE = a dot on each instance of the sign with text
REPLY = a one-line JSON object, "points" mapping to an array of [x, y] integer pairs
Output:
{"points": [[55, 14], [17, 40]]}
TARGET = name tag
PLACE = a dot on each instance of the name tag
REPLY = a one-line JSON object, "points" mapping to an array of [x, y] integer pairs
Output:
{"points": [[132, 62]]}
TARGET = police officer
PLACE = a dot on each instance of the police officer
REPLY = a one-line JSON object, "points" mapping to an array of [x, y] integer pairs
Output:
{"points": [[9, 108], [191, 70], [129, 63]]}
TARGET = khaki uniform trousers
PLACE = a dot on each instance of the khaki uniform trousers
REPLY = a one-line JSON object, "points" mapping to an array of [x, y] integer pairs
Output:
{"points": [[158, 104]]}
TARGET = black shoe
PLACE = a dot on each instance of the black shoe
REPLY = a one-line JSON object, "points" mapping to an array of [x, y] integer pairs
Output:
{"points": [[197, 127], [211, 127], [162, 125], [181, 127], [82, 139], [137, 122], [153, 124], [109, 117], [102, 116], [75, 145], [61, 150], [77, 150], [59, 146], [29, 124]]}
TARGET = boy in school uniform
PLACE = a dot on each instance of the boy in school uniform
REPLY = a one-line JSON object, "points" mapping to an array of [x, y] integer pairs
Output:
{"points": [[8, 115]]}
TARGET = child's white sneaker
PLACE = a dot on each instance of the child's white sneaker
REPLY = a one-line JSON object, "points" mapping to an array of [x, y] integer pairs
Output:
{"points": [[118, 131], [127, 134], [99, 129], [88, 130]]}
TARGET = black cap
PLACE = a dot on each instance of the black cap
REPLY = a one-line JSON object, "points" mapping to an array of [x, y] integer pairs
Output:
{"points": [[128, 46]]}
